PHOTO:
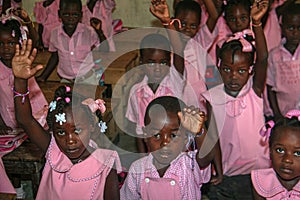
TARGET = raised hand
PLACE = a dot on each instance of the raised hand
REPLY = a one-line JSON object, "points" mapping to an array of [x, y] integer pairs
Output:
{"points": [[259, 9], [23, 59], [192, 119], [160, 9]]}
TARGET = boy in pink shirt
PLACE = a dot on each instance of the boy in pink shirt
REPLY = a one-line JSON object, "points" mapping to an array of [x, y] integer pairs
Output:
{"points": [[168, 172], [71, 45], [284, 65], [102, 10], [282, 180]]}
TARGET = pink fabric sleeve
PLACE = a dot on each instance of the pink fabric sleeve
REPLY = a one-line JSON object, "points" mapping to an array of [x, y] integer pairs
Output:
{"points": [[130, 189], [271, 71], [205, 37], [53, 38], [39, 12], [132, 106]]}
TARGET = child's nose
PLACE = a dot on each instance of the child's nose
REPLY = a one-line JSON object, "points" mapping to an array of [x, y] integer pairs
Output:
{"points": [[287, 158], [165, 140], [70, 139]]}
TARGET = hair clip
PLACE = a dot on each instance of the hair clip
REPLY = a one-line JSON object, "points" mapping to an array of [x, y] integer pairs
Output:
{"points": [[61, 118], [240, 36], [102, 126], [68, 89], [13, 33], [67, 99], [172, 22], [293, 113], [52, 105], [95, 105], [265, 131]]}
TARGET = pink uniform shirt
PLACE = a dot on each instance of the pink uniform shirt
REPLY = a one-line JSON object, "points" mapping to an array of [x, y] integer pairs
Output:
{"points": [[179, 181], [267, 185], [48, 17], [75, 55], [103, 11], [239, 121], [85, 180], [284, 77], [7, 108], [141, 95]]}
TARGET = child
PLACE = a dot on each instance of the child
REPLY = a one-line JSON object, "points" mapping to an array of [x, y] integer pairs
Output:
{"points": [[160, 80], [75, 169], [284, 65], [168, 172], [46, 15], [282, 180], [187, 15], [6, 4], [101, 10], [71, 45], [10, 36], [238, 107]]}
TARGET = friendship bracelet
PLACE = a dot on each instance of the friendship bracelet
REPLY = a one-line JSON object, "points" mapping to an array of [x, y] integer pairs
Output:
{"points": [[17, 94], [172, 22], [200, 133]]}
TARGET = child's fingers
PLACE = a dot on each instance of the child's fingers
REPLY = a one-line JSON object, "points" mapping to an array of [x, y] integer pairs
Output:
{"points": [[33, 55], [34, 70], [28, 48], [22, 50], [17, 53]]}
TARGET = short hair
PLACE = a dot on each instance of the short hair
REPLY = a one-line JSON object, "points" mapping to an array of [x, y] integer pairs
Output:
{"points": [[169, 103], [231, 3], [154, 41], [284, 123], [291, 10], [68, 2], [188, 5]]}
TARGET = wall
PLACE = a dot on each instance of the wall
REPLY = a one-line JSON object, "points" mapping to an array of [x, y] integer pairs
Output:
{"points": [[134, 13]]}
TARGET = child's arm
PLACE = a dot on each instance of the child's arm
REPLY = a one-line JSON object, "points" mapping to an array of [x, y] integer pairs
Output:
{"points": [[256, 196], [272, 97], [160, 10], [22, 69], [52, 63], [213, 14], [111, 189], [97, 25], [259, 79]]}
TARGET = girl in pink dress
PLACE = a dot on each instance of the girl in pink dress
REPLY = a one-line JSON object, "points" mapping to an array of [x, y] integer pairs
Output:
{"points": [[75, 168], [284, 64], [169, 172], [238, 107], [11, 35], [282, 180]]}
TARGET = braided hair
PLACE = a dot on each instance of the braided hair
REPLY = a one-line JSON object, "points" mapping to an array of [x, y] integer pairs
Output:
{"points": [[232, 3], [64, 98], [12, 26]]}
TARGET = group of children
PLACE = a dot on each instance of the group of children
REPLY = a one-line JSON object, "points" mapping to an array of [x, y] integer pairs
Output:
{"points": [[222, 128]]}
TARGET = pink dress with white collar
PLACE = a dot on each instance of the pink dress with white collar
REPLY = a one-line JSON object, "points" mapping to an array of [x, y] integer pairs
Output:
{"points": [[62, 179], [239, 121], [179, 181], [267, 185]]}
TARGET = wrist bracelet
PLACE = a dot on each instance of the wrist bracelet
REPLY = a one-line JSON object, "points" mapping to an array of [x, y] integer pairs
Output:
{"points": [[172, 22], [200, 133], [17, 94], [256, 25]]}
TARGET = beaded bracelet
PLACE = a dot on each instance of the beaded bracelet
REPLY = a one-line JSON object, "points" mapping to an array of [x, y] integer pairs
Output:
{"points": [[256, 25], [200, 133], [17, 94]]}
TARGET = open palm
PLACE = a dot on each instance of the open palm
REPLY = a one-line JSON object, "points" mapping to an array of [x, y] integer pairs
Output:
{"points": [[259, 8], [192, 119], [160, 10], [23, 59]]}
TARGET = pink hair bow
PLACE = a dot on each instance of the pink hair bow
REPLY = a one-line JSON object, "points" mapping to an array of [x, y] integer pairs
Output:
{"points": [[293, 113], [247, 46], [95, 105], [265, 131]]}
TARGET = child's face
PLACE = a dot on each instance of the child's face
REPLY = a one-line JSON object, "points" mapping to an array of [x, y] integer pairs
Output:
{"points": [[291, 29], [285, 154], [157, 64], [73, 140], [70, 15], [7, 46], [190, 24], [166, 140], [235, 73], [238, 18]]}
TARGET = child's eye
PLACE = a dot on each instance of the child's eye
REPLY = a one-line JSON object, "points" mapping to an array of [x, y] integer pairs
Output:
{"points": [[156, 136], [151, 64], [11, 44], [291, 28], [78, 130], [163, 63], [194, 26], [75, 15], [297, 153], [279, 150], [66, 15], [232, 19], [61, 133], [1, 44], [243, 18], [174, 135], [241, 71], [183, 24], [226, 69]]}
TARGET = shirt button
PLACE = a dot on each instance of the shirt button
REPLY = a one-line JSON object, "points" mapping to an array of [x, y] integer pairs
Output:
{"points": [[72, 53], [172, 182], [147, 180]]}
